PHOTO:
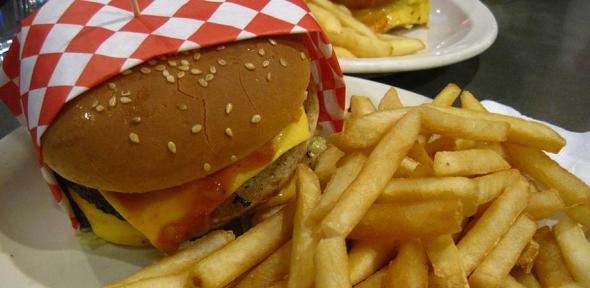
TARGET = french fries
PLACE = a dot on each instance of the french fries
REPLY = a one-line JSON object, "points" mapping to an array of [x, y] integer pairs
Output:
{"points": [[353, 39], [575, 249], [490, 227], [331, 263], [272, 270], [446, 262], [550, 268], [367, 256], [305, 238], [494, 269], [225, 265], [360, 106], [181, 261], [412, 220], [397, 178], [534, 162], [378, 169], [409, 268], [468, 162]]}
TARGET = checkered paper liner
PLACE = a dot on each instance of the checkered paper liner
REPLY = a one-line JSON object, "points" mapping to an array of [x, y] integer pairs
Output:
{"points": [[69, 46]]}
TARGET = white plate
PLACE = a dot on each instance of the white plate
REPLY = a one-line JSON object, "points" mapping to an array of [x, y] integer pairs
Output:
{"points": [[458, 30], [37, 246]]}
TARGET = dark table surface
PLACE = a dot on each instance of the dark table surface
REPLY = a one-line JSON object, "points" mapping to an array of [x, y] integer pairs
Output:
{"points": [[539, 64]]}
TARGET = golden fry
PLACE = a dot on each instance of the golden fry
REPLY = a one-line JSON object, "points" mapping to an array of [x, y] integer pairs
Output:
{"points": [[469, 102], [522, 132], [447, 96], [544, 204], [360, 45], [390, 100], [526, 279], [361, 106], [537, 164], [490, 227], [342, 52], [496, 266], [411, 220], [510, 282], [580, 213], [271, 270], [456, 126], [305, 238], [327, 20], [492, 185], [226, 264], [575, 249], [377, 171], [331, 263], [409, 268], [326, 163], [446, 261], [367, 256], [468, 162], [527, 258], [374, 281], [550, 267]]}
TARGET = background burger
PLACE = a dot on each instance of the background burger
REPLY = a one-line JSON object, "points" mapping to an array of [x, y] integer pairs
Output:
{"points": [[384, 15], [185, 143]]}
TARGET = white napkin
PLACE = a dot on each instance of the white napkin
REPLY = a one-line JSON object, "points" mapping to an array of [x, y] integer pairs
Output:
{"points": [[575, 156]]}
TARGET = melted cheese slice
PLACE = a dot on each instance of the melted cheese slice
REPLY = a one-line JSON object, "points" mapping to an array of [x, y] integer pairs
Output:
{"points": [[170, 216], [395, 14]]}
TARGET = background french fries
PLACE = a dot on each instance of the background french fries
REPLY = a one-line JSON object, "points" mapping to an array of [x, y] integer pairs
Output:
{"points": [[360, 106], [449, 231]]}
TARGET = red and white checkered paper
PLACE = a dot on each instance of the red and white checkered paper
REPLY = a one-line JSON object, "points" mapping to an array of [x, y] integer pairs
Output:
{"points": [[69, 46]]}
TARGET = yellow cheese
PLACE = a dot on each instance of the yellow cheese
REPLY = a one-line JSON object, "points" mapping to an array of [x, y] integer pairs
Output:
{"points": [[107, 226], [163, 214], [395, 14]]}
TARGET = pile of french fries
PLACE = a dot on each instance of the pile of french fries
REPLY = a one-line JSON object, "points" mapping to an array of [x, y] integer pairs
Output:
{"points": [[425, 196], [352, 38]]}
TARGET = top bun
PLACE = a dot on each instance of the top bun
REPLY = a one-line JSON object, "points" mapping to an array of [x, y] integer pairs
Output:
{"points": [[142, 131]]}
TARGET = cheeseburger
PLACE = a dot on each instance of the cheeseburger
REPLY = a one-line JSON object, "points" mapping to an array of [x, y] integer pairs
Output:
{"points": [[384, 15], [185, 143]]}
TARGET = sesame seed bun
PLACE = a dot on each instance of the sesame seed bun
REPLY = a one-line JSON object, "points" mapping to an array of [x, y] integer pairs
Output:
{"points": [[149, 129]]}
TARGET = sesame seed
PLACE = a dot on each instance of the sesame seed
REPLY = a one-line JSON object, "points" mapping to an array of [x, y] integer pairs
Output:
{"points": [[212, 69], [233, 158], [99, 108], [170, 79], [126, 93], [94, 103], [229, 132], [196, 128], [113, 101], [125, 100], [112, 85], [221, 62], [196, 71], [302, 56], [145, 70], [256, 118], [172, 147], [134, 137], [136, 120], [272, 42], [268, 76], [228, 108], [182, 107], [165, 73], [283, 62], [172, 63], [261, 52], [184, 68], [160, 67], [184, 62], [220, 47], [153, 62], [209, 77], [265, 63], [180, 74], [207, 167], [127, 72], [250, 66], [203, 82], [197, 56]]}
